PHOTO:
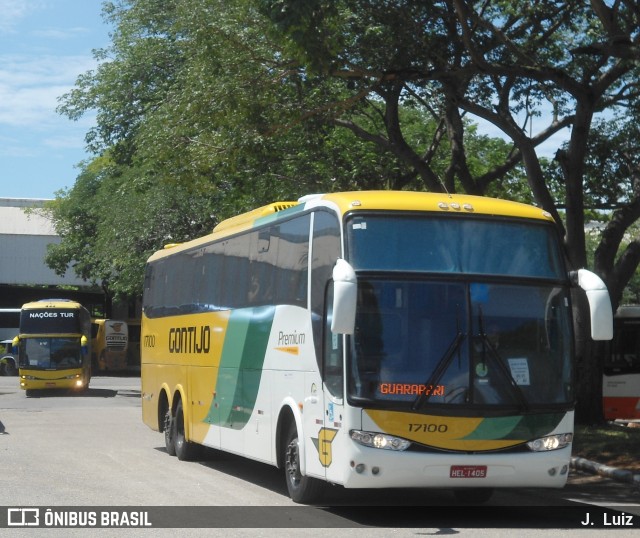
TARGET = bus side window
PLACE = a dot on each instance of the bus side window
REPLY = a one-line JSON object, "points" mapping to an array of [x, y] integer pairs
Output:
{"points": [[210, 294], [292, 237]]}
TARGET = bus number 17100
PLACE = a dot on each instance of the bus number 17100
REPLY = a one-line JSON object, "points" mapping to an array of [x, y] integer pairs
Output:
{"points": [[428, 428]]}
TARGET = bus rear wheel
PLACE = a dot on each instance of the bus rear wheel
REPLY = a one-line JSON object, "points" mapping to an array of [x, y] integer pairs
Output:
{"points": [[185, 450], [169, 433], [302, 489]]}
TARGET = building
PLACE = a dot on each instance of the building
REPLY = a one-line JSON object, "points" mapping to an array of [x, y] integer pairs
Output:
{"points": [[23, 242], [24, 236]]}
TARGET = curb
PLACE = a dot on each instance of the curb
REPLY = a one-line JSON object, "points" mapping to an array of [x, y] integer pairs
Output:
{"points": [[620, 475]]}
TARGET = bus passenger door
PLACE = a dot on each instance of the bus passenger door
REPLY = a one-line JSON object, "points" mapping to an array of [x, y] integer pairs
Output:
{"points": [[326, 419], [322, 421], [327, 426], [333, 429]]}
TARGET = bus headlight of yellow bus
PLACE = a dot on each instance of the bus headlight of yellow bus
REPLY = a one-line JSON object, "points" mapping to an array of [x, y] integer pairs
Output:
{"points": [[79, 382], [380, 440], [550, 442]]}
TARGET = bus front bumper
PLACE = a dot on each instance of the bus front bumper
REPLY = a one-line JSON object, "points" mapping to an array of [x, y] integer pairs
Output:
{"points": [[37, 381], [374, 468]]}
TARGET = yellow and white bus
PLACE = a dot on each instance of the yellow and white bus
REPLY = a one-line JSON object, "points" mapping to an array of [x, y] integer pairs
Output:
{"points": [[371, 340], [109, 344], [53, 346]]}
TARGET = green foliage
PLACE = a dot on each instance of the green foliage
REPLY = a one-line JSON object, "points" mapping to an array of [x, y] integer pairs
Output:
{"points": [[611, 444], [111, 222]]}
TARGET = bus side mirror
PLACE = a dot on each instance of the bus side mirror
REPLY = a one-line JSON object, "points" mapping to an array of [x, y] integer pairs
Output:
{"points": [[15, 344], [345, 297], [599, 303], [84, 344]]}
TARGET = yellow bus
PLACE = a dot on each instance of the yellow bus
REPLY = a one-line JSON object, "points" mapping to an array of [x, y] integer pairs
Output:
{"points": [[109, 345], [371, 340], [9, 323], [53, 346]]}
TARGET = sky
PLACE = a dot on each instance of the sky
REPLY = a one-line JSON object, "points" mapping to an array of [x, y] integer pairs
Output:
{"points": [[44, 46]]}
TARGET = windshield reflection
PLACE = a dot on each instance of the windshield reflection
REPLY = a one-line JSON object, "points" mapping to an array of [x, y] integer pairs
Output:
{"points": [[419, 344], [51, 353]]}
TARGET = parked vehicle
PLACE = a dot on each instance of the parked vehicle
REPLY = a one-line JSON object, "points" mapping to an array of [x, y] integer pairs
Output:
{"points": [[8, 361]]}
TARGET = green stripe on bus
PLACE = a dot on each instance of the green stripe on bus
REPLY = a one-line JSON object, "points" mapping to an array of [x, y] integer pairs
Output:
{"points": [[241, 364], [516, 427]]}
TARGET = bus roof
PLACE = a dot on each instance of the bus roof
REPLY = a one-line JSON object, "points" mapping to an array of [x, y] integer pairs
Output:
{"points": [[51, 303], [345, 202], [428, 201]]}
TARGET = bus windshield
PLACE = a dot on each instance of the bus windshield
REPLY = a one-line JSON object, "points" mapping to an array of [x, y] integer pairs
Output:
{"points": [[420, 343], [51, 353], [454, 244], [458, 312]]}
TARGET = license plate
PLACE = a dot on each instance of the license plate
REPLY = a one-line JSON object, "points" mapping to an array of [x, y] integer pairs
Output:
{"points": [[468, 471], [50, 384]]}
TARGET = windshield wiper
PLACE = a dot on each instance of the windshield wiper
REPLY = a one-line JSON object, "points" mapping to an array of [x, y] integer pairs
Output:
{"points": [[502, 367], [441, 368]]}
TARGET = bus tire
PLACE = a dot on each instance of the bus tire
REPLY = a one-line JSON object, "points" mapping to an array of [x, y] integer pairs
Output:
{"points": [[169, 433], [302, 489], [473, 496], [9, 368], [185, 450]]}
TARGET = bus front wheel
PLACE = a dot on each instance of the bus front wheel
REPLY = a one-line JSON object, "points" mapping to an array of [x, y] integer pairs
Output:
{"points": [[302, 489]]}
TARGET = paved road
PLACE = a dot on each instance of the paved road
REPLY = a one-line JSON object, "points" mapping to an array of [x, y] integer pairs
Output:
{"points": [[91, 451]]}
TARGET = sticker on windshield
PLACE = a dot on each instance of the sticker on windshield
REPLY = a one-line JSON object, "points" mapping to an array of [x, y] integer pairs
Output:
{"points": [[481, 369], [520, 371]]}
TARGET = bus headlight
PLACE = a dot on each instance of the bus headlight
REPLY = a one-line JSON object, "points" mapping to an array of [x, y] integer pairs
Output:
{"points": [[380, 440], [550, 442], [74, 376]]}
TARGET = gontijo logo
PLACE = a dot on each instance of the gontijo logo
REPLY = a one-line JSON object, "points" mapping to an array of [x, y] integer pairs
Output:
{"points": [[193, 339]]}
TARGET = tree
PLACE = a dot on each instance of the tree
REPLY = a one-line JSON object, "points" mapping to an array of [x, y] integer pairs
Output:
{"points": [[113, 219]]}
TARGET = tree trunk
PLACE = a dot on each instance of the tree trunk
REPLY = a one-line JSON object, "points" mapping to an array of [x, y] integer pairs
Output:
{"points": [[589, 365]]}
